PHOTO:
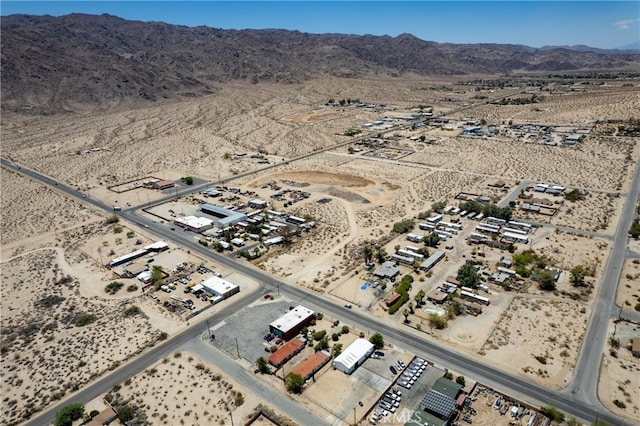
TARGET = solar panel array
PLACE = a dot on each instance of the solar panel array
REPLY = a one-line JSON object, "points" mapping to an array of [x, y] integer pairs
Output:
{"points": [[437, 403]]}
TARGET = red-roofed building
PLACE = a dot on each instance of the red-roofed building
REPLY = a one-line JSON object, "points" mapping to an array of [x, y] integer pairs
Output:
{"points": [[312, 364], [163, 184], [391, 299], [286, 352]]}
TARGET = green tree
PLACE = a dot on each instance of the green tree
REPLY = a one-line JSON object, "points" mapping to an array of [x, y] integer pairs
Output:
{"points": [[377, 340], [294, 383], [546, 281], [188, 180], [468, 276], [438, 206], [336, 350], [322, 345], [405, 313], [437, 321], [553, 413], [419, 297], [454, 310], [156, 274], [578, 274], [432, 240], [125, 414], [381, 254], [368, 254], [460, 380], [67, 415], [263, 365], [634, 231], [403, 226]]}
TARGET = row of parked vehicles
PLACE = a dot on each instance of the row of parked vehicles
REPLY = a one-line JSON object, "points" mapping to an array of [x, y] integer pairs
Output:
{"points": [[389, 402], [412, 373]]}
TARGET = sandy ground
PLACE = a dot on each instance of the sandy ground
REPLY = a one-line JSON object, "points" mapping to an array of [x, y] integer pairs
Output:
{"points": [[367, 193], [629, 288], [38, 200], [620, 373], [181, 389]]}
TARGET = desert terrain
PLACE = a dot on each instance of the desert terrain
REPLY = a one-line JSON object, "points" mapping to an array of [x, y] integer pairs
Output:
{"points": [[53, 249]]}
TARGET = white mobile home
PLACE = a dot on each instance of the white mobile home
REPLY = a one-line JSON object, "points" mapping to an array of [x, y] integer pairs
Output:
{"points": [[408, 253], [516, 237], [486, 228], [474, 297], [415, 238], [435, 219]]}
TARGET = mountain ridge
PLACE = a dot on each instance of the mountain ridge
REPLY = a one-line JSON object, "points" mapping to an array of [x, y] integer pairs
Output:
{"points": [[56, 64]]}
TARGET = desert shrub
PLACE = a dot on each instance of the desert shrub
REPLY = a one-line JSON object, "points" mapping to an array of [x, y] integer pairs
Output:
{"points": [[50, 301], [294, 383], [619, 404], [132, 288], [403, 226], [319, 335], [113, 287], [437, 321], [131, 311], [553, 413], [112, 219], [85, 319]]}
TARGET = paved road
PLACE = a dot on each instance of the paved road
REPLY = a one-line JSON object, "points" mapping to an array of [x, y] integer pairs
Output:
{"points": [[580, 403], [585, 384]]}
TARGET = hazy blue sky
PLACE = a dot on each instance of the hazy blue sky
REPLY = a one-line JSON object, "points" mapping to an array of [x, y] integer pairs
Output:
{"points": [[604, 24]]}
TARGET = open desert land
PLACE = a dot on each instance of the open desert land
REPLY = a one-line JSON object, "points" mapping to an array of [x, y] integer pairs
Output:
{"points": [[619, 387], [628, 295], [60, 328], [367, 195], [182, 389], [579, 107]]}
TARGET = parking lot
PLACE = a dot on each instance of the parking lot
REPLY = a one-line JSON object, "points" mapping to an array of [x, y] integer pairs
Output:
{"points": [[244, 331]]}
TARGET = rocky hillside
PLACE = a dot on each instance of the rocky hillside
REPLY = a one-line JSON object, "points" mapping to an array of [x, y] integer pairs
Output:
{"points": [[56, 64]]}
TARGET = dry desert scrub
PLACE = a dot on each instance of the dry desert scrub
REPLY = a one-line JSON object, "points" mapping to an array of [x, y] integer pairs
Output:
{"points": [[180, 389], [629, 288], [543, 335], [53, 340], [598, 162], [38, 208], [619, 387]]}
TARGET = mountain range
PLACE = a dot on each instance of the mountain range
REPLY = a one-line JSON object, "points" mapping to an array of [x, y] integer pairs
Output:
{"points": [[57, 64]]}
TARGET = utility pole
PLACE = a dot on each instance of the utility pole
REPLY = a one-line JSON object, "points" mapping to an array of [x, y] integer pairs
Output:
{"points": [[209, 329], [237, 347]]}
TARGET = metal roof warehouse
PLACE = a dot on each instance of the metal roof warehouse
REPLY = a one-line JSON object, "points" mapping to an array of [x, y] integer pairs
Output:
{"points": [[223, 217], [353, 356]]}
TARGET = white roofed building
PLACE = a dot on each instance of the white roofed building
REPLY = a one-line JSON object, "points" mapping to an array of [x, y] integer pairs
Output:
{"points": [[220, 286], [194, 223], [354, 356], [289, 324]]}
